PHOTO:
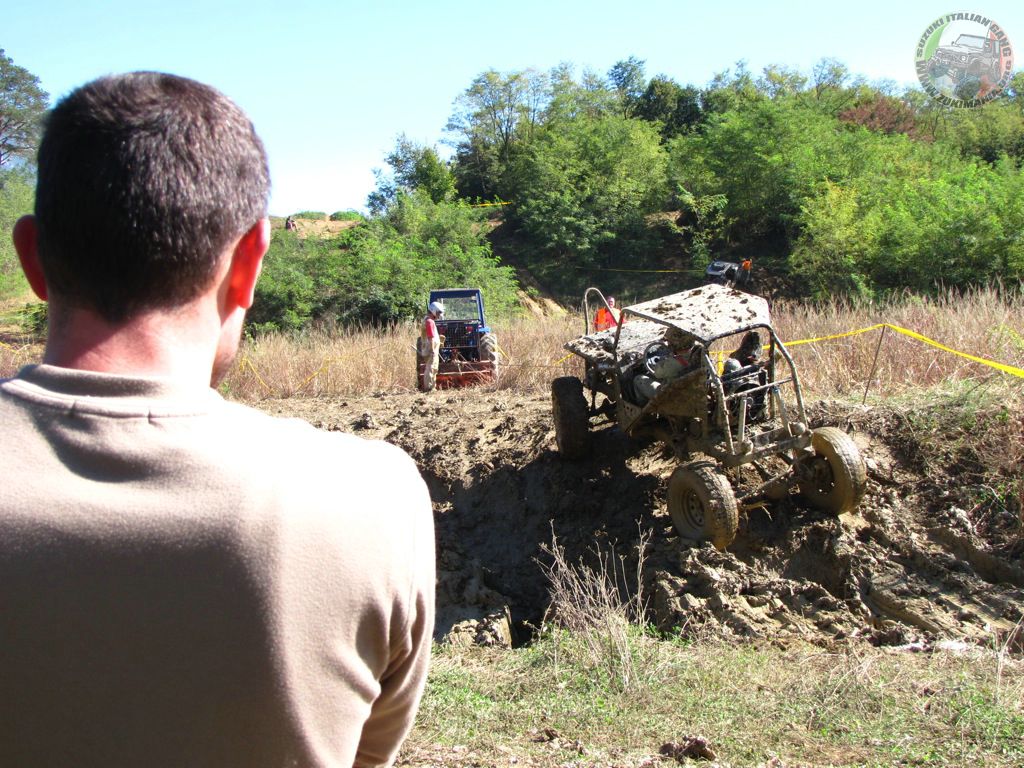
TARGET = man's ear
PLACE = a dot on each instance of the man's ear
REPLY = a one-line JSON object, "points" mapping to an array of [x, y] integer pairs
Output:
{"points": [[246, 263], [26, 243]]}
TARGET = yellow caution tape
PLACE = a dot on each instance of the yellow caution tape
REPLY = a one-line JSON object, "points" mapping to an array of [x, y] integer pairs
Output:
{"points": [[313, 375], [1010, 369], [837, 335], [247, 362], [488, 205], [646, 271]]}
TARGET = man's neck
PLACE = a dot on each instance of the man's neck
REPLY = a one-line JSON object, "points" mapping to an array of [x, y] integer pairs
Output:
{"points": [[179, 344]]}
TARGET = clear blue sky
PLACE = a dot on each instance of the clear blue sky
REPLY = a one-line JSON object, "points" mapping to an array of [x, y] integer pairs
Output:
{"points": [[330, 85]]}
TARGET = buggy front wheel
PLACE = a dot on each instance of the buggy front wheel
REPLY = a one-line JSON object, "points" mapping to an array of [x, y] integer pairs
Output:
{"points": [[702, 504]]}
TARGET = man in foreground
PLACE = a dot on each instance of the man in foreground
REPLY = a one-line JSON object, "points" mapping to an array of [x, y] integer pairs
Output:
{"points": [[185, 581]]}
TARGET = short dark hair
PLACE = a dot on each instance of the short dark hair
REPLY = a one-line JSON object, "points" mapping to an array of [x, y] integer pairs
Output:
{"points": [[143, 180]]}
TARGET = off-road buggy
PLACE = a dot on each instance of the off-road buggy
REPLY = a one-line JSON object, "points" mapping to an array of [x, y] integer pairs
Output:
{"points": [[723, 408], [721, 272]]}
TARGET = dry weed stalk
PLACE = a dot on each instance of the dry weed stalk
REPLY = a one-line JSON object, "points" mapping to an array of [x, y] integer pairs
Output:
{"points": [[588, 603], [14, 353]]}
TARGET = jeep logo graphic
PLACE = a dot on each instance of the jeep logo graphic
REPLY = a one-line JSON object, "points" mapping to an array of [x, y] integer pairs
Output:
{"points": [[964, 59]]}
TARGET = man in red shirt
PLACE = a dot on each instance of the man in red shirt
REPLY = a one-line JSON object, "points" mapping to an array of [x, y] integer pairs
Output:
{"points": [[429, 347]]}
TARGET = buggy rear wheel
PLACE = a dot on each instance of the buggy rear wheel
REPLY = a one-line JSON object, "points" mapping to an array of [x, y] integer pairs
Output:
{"points": [[835, 478], [572, 422], [702, 504]]}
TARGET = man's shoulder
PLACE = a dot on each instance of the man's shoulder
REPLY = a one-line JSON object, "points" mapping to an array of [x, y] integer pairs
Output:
{"points": [[292, 440]]}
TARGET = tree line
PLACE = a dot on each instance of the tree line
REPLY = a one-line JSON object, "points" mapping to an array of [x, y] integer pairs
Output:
{"points": [[829, 182], [840, 184]]}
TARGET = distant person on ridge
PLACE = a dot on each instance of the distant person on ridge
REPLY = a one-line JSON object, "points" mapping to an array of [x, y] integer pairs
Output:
{"points": [[185, 581]]}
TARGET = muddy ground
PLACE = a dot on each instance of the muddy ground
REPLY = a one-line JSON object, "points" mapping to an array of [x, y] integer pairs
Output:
{"points": [[919, 561]]}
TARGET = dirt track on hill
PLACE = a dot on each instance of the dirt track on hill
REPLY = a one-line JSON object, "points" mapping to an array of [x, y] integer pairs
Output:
{"points": [[910, 565]]}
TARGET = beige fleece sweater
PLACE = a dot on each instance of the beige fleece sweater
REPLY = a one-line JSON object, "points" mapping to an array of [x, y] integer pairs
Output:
{"points": [[189, 582]]}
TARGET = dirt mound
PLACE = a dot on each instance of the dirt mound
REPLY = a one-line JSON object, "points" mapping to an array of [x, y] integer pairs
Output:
{"points": [[540, 306], [912, 563], [321, 227]]}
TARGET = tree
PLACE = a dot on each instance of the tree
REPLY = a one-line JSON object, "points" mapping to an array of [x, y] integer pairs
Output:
{"points": [[379, 272], [628, 79], [492, 116], [832, 88], [590, 97], [778, 81], [495, 107], [584, 186], [22, 105], [16, 199], [987, 132], [728, 90], [414, 167], [666, 102], [882, 114], [766, 156]]}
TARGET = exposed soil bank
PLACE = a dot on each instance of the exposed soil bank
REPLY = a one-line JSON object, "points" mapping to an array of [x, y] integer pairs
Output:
{"points": [[911, 563]]}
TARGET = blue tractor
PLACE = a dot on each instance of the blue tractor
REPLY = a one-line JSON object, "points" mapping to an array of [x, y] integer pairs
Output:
{"points": [[469, 354]]}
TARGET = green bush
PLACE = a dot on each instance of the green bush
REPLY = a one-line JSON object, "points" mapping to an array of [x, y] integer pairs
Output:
{"points": [[17, 198], [583, 187], [348, 215], [315, 215], [915, 216], [379, 273]]}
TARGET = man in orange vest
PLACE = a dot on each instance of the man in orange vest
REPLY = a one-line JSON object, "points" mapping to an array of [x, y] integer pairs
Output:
{"points": [[745, 268], [607, 317]]}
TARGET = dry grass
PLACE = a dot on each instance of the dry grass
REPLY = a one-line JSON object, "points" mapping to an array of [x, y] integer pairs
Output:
{"points": [[373, 360], [987, 323], [16, 351]]}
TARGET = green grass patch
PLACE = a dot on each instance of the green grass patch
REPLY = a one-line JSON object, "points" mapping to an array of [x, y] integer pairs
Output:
{"points": [[855, 706]]}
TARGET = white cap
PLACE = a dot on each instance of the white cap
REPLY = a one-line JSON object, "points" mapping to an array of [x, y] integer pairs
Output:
{"points": [[436, 307]]}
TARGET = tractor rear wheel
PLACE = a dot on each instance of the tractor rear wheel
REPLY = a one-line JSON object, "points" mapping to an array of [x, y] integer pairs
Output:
{"points": [[572, 422], [834, 479], [489, 353], [702, 504]]}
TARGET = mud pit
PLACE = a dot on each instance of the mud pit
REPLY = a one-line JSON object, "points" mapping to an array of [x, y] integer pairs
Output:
{"points": [[910, 564]]}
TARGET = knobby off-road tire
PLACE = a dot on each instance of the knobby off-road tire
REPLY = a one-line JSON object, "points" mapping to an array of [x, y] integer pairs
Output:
{"points": [[702, 504], [489, 352], [572, 422], [837, 476]]}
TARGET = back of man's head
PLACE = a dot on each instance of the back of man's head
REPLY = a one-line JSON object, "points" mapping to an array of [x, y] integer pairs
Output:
{"points": [[144, 180]]}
